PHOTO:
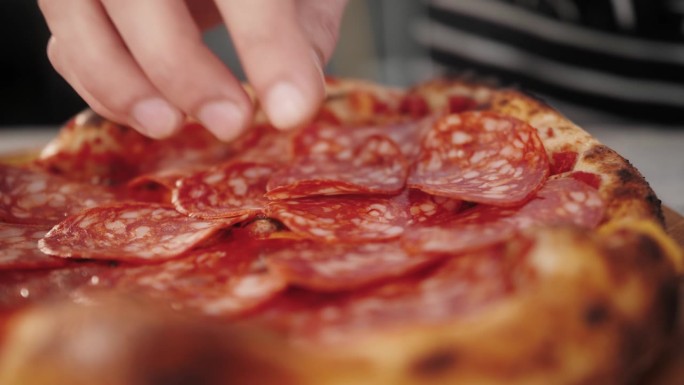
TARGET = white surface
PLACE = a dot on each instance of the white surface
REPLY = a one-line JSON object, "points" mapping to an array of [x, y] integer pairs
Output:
{"points": [[25, 138], [657, 152]]}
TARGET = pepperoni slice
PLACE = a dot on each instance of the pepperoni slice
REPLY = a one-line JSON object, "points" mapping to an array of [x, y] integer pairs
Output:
{"points": [[342, 219], [36, 197], [274, 147], [193, 147], [334, 267], [426, 209], [455, 288], [375, 167], [231, 190], [129, 232], [19, 248], [226, 280], [562, 201], [481, 157]]}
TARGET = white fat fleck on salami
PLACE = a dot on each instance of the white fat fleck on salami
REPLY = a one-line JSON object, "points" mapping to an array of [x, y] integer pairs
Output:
{"points": [[561, 201], [129, 232], [225, 280], [335, 267], [481, 157], [337, 166], [230, 190], [35, 197], [344, 218], [19, 248]]}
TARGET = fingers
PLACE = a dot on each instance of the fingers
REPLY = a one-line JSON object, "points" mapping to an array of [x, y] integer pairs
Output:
{"points": [[278, 60], [99, 67], [320, 21], [176, 61], [144, 62]]}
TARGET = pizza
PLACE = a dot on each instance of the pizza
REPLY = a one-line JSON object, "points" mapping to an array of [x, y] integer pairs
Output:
{"points": [[452, 232]]}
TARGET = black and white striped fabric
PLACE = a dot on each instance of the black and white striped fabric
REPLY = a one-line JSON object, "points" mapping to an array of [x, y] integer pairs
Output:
{"points": [[622, 56]]}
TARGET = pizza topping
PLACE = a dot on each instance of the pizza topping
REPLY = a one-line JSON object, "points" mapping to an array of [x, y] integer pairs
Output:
{"points": [[274, 147], [233, 189], [481, 157], [335, 267], [19, 248], [563, 161], [342, 219], [457, 287], [95, 150], [129, 231], [222, 280], [36, 197], [375, 167], [561, 201], [426, 209], [458, 104], [414, 105], [589, 178]]}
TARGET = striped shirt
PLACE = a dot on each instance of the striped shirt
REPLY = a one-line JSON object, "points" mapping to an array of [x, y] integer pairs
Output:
{"points": [[622, 56]]}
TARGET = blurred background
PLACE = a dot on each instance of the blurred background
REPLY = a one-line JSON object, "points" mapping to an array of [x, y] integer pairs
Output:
{"points": [[614, 66]]}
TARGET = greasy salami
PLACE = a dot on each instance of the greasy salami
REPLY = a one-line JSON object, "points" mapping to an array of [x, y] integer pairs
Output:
{"points": [[35, 197], [334, 267], [19, 248], [426, 209], [481, 157], [226, 279], [230, 190], [342, 219], [375, 167], [455, 288], [562, 201], [130, 232]]}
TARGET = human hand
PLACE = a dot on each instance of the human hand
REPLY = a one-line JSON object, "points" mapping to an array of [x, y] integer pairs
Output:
{"points": [[143, 63]]}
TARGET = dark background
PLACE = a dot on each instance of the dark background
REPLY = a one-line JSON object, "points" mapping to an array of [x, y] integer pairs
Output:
{"points": [[31, 92]]}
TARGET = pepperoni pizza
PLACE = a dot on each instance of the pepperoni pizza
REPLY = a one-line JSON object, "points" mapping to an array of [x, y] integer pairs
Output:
{"points": [[449, 233]]}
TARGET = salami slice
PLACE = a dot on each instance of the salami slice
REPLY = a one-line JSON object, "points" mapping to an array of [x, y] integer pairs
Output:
{"points": [[335, 267], [342, 219], [481, 157], [426, 209], [455, 288], [562, 201], [273, 147], [231, 190], [375, 167], [19, 248], [129, 232], [35, 197], [224, 280]]}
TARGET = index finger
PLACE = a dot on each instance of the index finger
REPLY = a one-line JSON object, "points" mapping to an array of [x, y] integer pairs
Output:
{"points": [[278, 59]]}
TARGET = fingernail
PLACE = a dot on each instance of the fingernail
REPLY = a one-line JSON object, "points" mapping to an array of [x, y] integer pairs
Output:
{"points": [[225, 119], [157, 117], [285, 105]]}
